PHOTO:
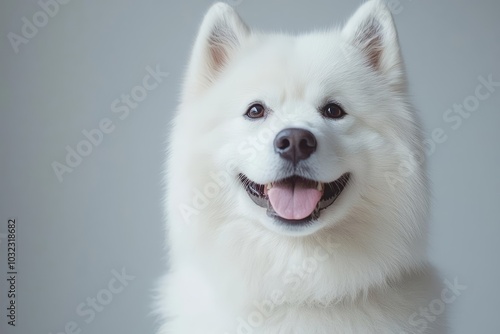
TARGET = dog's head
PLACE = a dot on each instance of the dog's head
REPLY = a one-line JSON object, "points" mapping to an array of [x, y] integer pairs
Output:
{"points": [[297, 133]]}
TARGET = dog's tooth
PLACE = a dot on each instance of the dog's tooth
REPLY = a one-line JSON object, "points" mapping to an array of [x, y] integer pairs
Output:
{"points": [[319, 186], [269, 186]]}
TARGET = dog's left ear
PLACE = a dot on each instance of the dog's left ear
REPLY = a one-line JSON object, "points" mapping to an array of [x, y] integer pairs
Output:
{"points": [[371, 29], [220, 37]]}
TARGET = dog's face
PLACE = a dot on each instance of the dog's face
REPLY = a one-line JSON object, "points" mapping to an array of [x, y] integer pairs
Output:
{"points": [[302, 132]]}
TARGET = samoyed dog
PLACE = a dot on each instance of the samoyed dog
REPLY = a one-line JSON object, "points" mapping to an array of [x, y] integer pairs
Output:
{"points": [[297, 197]]}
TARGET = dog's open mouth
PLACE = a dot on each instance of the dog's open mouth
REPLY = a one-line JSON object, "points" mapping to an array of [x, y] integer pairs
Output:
{"points": [[295, 199]]}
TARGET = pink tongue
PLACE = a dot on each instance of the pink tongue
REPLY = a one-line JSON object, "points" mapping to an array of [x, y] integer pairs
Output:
{"points": [[294, 202]]}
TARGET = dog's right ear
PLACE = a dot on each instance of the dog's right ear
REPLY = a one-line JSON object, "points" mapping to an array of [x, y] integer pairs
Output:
{"points": [[372, 31], [220, 36]]}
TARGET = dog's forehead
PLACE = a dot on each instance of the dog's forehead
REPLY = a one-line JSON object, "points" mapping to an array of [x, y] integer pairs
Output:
{"points": [[269, 72], [294, 66]]}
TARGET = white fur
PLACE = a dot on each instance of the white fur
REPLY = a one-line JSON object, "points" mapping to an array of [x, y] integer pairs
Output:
{"points": [[362, 267]]}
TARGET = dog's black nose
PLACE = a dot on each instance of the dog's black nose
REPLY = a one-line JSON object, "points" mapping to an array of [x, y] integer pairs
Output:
{"points": [[295, 144]]}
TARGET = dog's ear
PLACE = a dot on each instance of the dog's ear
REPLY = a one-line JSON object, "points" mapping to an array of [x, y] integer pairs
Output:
{"points": [[220, 36], [371, 29]]}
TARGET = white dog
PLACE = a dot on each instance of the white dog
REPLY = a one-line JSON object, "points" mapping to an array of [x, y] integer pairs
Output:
{"points": [[297, 198]]}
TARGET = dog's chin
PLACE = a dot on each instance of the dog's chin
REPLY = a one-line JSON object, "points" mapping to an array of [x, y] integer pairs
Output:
{"points": [[295, 204]]}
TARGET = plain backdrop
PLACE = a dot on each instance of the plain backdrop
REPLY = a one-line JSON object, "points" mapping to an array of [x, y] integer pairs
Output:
{"points": [[106, 214]]}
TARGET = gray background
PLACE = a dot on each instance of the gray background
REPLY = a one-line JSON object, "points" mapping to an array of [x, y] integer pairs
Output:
{"points": [[107, 213]]}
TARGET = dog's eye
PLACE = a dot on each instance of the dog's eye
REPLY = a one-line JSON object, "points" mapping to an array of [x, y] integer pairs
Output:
{"points": [[333, 110], [256, 111]]}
